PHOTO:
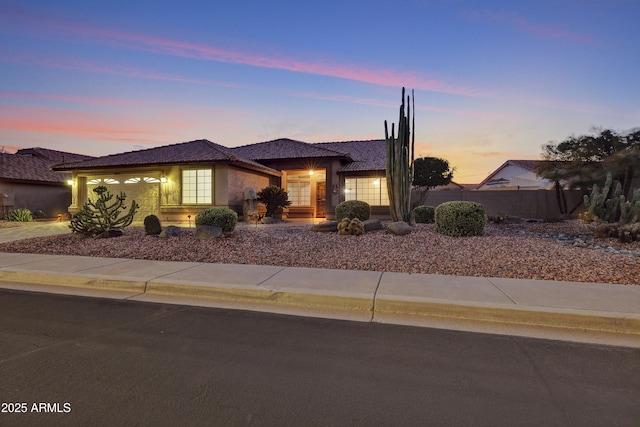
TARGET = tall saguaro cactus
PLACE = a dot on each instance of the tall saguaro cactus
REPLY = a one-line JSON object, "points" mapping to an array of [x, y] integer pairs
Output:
{"points": [[400, 162]]}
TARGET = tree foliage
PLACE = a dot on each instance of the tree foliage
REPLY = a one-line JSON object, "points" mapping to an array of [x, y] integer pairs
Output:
{"points": [[431, 172], [581, 161]]}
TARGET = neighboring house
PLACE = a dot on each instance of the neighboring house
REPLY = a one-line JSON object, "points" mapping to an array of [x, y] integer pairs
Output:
{"points": [[179, 180], [515, 175], [27, 181]]}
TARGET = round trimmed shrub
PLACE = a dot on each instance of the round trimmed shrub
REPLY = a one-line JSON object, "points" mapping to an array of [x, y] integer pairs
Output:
{"points": [[424, 214], [460, 219], [224, 218], [353, 209]]}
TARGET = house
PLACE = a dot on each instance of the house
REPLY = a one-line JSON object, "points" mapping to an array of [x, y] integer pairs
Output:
{"points": [[27, 181], [515, 175], [177, 181]]}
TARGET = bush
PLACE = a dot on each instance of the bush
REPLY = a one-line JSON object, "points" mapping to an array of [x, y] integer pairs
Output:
{"points": [[224, 218], [274, 198], [152, 225], [460, 219], [20, 215], [424, 214], [353, 209]]}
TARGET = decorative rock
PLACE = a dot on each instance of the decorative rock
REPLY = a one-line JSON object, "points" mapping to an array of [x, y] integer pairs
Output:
{"points": [[268, 220], [512, 220], [331, 226], [206, 232], [170, 231], [249, 205], [152, 225], [399, 228], [372, 224], [114, 232]]}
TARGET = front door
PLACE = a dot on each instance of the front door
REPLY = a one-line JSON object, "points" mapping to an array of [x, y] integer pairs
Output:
{"points": [[321, 199]]}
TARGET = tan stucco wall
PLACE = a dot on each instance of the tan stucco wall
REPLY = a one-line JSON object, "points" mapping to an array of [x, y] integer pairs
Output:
{"points": [[239, 180]]}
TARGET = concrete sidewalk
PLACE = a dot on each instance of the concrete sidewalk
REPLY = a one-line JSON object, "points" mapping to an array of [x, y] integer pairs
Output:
{"points": [[582, 312]]}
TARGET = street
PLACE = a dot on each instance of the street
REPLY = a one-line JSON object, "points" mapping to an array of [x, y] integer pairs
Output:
{"points": [[68, 360]]}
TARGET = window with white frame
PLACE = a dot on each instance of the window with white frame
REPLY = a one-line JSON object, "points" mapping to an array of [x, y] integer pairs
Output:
{"points": [[372, 190], [299, 193], [197, 186]]}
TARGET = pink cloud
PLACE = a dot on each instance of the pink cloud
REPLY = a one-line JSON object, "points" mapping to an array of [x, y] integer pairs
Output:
{"points": [[545, 31], [36, 22]]}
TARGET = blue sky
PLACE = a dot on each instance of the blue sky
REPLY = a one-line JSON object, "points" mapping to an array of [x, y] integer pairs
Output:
{"points": [[494, 80]]}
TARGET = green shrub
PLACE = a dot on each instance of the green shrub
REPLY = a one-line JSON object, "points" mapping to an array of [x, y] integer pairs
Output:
{"points": [[460, 219], [20, 215], [353, 209], [424, 214], [274, 198], [224, 218]]}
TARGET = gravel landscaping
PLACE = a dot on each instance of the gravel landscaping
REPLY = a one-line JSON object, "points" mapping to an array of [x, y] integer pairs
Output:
{"points": [[551, 251]]}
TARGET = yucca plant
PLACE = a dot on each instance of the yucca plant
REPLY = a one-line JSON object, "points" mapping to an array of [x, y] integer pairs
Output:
{"points": [[20, 215], [273, 198]]}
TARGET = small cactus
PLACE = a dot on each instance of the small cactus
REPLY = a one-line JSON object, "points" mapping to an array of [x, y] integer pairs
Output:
{"points": [[353, 227]]}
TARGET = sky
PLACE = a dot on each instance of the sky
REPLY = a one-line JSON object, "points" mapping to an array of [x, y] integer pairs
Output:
{"points": [[493, 80]]}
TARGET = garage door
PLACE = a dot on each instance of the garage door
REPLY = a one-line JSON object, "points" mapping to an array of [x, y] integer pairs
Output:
{"points": [[145, 190]]}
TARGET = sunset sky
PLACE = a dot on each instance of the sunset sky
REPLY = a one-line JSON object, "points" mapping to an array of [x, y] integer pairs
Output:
{"points": [[493, 80]]}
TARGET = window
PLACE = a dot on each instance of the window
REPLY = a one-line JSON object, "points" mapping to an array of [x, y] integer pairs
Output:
{"points": [[371, 190], [102, 181], [299, 193], [197, 186]]}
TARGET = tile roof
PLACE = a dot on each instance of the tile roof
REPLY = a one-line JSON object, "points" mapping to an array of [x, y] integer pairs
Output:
{"points": [[34, 165], [285, 148], [198, 151], [366, 155]]}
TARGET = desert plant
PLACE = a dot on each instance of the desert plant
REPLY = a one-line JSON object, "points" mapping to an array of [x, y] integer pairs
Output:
{"points": [[99, 217], [614, 208], [423, 214], [400, 163], [20, 215], [353, 209], [353, 227], [460, 218], [222, 217], [152, 225], [274, 198], [626, 233]]}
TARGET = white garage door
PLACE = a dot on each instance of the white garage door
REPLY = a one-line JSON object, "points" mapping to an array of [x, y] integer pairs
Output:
{"points": [[145, 190]]}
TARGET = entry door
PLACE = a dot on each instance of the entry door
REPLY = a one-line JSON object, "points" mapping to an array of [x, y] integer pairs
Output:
{"points": [[321, 199]]}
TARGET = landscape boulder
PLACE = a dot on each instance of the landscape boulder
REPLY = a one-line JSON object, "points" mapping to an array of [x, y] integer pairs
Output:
{"points": [[268, 220], [170, 231], [372, 224], [326, 226], [399, 228], [113, 232], [206, 232]]}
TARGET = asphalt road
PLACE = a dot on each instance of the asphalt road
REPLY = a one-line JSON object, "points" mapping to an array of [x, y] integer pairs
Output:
{"points": [[104, 362]]}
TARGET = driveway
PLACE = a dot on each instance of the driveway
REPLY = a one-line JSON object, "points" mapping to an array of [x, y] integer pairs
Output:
{"points": [[33, 230]]}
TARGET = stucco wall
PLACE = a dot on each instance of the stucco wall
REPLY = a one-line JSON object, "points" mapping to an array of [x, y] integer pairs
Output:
{"points": [[538, 204], [238, 180], [50, 199]]}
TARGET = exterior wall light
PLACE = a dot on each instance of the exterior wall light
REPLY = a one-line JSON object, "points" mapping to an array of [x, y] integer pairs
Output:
{"points": [[70, 182], [163, 179]]}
